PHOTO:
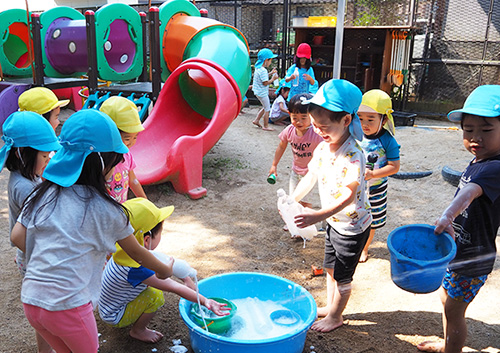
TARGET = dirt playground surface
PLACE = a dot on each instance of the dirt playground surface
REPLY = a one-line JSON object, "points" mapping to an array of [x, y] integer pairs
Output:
{"points": [[236, 227]]}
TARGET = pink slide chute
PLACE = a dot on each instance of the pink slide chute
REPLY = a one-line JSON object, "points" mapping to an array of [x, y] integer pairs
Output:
{"points": [[175, 139]]}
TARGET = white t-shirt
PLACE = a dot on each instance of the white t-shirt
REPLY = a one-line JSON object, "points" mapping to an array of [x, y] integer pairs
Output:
{"points": [[66, 245], [275, 110], [335, 171]]}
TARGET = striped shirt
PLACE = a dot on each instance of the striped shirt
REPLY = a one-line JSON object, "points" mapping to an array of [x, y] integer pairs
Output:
{"points": [[120, 285]]}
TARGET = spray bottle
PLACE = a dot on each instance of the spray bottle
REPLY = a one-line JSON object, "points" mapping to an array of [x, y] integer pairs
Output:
{"points": [[289, 208]]}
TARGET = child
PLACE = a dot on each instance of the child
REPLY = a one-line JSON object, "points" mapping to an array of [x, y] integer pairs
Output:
{"points": [[382, 152], [67, 226], [126, 117], [29, 140], [473, 217], [279, 110], [305, 80], [260, 85], [338, 165], [302, 138], [131, 294], [43, 101]]}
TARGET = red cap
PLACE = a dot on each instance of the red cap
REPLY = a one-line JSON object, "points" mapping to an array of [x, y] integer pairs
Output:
{"points": [[304, 51]]}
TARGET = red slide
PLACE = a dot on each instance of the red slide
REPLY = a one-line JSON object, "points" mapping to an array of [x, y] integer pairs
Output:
{"points": [[176, 137]]}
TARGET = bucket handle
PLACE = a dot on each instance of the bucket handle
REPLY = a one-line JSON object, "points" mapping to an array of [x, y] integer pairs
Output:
{"points": [[208, 324]]}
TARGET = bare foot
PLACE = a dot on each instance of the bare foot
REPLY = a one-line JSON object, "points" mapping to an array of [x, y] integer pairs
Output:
{"points": [[267, 128], [323, 311], [146, 335], [327, 324], [256, 123], [431, 346], [364, 256]]}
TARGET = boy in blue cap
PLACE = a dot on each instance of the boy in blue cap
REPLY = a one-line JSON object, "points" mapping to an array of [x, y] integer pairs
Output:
{"points": [[338, 165], [260, 85], [473, 217]]}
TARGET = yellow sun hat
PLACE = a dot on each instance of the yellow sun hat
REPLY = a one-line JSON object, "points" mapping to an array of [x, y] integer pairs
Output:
{"points": [[40, 100], [124, 113], [144, 216], [377, 101]]}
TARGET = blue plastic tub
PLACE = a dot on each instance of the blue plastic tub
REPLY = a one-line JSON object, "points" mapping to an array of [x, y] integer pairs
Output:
{"points": [[263, 286], [419, 257]]}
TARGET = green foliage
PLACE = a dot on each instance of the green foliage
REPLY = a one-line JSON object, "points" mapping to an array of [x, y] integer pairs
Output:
{"points": [[379, 12]]}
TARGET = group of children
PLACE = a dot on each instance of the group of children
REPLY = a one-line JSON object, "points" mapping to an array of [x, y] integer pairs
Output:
{"points": [[68, 211], [351, 164], [66, 214]]}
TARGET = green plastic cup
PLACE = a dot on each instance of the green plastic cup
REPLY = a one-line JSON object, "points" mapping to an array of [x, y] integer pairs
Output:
{"points": [[271, 179]]}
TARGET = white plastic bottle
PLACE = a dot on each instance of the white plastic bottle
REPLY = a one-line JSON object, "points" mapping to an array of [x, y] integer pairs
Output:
{"points": [[289, 208], [180, 268], [296, 79]]}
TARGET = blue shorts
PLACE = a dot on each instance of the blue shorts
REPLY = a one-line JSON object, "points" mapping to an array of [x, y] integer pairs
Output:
{"points": [[462, 288]]}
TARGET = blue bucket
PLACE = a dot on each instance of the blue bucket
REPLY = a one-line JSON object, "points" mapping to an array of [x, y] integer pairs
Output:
{"points": [[419, 257], [264, 287]]}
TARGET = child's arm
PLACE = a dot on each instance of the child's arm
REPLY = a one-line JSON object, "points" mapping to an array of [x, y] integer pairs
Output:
{"points": [[462, 200], [305, 185], [277, 157], [135, 185], [309, 78], [347, 196], [169, 285], [18, 236], [274, 76], [283, 108], [145, 258], [391, 168]]}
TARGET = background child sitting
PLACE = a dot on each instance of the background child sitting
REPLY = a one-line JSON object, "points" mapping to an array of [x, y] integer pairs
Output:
{"points": [[126, 117], [279, 110], [131, 294], [382, 152]]}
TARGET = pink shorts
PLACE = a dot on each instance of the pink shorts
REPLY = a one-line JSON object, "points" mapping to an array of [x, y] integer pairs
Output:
{"points": [[73, 330]]}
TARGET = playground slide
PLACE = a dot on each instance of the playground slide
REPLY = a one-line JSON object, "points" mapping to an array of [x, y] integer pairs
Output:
{"points": [[176, 137]]}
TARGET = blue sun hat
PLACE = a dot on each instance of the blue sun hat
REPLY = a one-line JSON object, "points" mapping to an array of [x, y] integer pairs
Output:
{"points": [[263, 55], [27, 129], [283, 83], [84, 132], [341, 96], [483, 101]]}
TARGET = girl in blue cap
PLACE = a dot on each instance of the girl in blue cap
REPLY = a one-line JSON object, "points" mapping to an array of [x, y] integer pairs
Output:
{"points": [[260, 85], [28, 141], [67, 226]]}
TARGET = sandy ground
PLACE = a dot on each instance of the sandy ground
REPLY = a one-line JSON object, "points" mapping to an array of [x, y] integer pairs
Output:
{"points": [[236, 227]]}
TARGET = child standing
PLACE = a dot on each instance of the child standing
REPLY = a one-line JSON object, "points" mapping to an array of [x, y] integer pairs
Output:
{"points": [[301, 137], [43, 101], [338, 165], [473, 217], [260, 85], [301, 73], [126, 117], [382, 152], [279, 110], [67, 226], [29, 140], [131, 294]]}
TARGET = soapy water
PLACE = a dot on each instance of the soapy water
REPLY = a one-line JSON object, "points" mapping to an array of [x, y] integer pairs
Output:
{"points": [[253, 320]]}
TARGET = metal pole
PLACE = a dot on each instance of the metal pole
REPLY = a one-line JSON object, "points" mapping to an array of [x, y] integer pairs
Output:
{"points": [[339, 39], [284, 38], [485, 47]]}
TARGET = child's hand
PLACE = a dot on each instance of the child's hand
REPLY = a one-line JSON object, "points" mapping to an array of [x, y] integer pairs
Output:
{"points": [[444, 224], [188, 281], [168, 271], [368, 174], [218, 308], [273, 170], [274, 71], [275, 77], [308, 218]]}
